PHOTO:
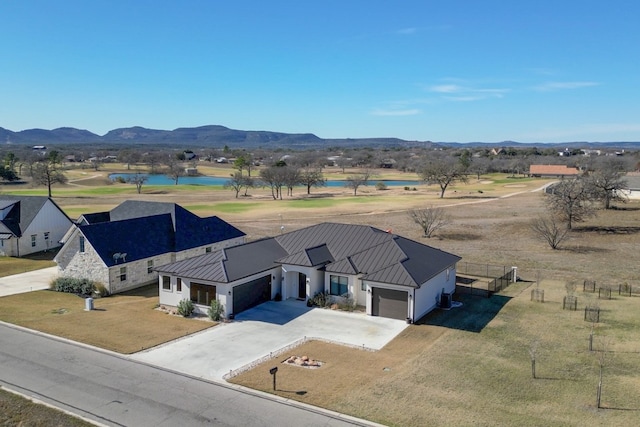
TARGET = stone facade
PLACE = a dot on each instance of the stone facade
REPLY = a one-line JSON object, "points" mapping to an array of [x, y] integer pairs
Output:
{"points": [[89, 265]]}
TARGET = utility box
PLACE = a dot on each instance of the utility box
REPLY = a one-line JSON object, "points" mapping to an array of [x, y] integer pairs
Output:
{"points": [[88, 304]]}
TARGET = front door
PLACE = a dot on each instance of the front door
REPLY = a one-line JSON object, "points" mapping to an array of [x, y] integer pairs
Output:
{"points": [[302, 286]]}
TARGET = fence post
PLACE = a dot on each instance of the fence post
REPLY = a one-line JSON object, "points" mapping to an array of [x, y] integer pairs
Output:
{"points": [[514, 270]]}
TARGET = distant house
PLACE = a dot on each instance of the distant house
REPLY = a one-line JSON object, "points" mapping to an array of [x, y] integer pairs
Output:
{"points": [[390, 275], [30, 224], [552, 171], [121, 248], [633, 186]]}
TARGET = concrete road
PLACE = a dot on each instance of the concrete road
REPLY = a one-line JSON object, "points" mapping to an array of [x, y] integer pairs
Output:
{"points": [[267, 328], [27, 282], [116, 391]]}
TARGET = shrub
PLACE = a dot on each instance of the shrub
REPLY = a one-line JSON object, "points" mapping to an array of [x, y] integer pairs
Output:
{"points": [[215, 310], [185, 308], [321, 299], [73, 286], [407, 188], [347, 304], [381, 185], [100, 290]]}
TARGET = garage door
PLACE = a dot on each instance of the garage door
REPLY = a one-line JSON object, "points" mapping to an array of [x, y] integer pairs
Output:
{"points": [[251, 294], [389, 303]]}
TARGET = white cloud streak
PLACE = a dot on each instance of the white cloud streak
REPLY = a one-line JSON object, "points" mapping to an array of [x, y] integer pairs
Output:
{"points": [[392, 113], [554, 86]]}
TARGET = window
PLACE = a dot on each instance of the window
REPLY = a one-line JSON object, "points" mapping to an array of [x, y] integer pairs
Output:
{"points": [[363, 287], [33, 240], [178, 285], [46, 235], [202, 294], [150, 266], [123, 274], [166, 283], [207, 249], [338, 285], [81, 243]]}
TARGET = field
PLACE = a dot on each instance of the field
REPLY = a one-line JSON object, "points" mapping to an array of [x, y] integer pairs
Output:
{"points": [[467, 366]]}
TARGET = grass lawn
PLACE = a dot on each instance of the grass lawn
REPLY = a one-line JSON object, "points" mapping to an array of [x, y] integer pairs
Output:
{"points": [[11, 265], [125, 323], [18, 411], [471, 366]]}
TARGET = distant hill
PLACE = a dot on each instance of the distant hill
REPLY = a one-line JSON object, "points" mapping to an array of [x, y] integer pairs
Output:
{"points": [[218, 136]]}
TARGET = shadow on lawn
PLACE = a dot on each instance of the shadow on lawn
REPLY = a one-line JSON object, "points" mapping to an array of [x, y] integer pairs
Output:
{"points": [[474, 314]]}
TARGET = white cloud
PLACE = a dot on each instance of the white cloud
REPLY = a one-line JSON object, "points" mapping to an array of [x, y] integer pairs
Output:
{"points": [[409, 30], [409, 112], [552, 86], [466, 91], [450, 88]]}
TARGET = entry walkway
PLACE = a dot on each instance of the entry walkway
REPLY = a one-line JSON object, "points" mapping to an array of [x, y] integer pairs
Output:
{"points": [[267, 328], [26, 282]]}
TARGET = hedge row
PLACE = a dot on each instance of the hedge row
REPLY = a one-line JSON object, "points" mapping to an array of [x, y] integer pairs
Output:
{"points": [[78, 286]]}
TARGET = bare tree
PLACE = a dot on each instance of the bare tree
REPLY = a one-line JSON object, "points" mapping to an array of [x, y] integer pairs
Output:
{"points": [[533, 353], [274, 177], [174, 168], [138, 179], [607, 182], [48, 172], [356, 181], [602, 355], [570, 199], [443, 172], [430, 219], [236, 183], [550, 230], [311, 177]]}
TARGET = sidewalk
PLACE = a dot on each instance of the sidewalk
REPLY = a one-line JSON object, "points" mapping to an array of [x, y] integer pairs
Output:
{"points": [[27, 282]]}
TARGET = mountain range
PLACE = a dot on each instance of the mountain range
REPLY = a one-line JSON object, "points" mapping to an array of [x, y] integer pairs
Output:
{"points": [[218, 136]]}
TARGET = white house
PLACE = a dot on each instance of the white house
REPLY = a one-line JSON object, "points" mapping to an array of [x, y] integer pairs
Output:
{"points": [[30, 224], [390, 275], [120, 248]]}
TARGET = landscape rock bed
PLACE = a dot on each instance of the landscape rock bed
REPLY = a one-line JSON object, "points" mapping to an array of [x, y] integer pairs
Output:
{"points": [[303, 362]]}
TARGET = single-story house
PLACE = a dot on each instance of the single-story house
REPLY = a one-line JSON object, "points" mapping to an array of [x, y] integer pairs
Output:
{"points": [[120, 248], [390, 275], [553, 171], [30, 224]]}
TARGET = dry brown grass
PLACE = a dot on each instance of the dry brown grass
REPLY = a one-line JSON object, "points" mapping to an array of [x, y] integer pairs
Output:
{"points": [[468, 366], [125, 323]]}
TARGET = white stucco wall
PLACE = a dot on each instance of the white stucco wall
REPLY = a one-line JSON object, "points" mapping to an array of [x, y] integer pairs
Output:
{"points": [[427, 296], [315, 281]]}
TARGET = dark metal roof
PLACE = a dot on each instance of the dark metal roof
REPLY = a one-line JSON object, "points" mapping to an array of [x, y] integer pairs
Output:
{"points": [[21, 210], [230, 264], [172, 229], [339, 248]]}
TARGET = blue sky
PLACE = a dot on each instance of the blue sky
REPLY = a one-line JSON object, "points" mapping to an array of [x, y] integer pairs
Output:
{"points": [[491, 70]]}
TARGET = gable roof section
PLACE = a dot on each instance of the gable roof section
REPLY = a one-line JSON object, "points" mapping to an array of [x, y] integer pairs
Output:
{"points": [[420, 263], [230, 264], [20, 211], [138, 238], [146, 229]]}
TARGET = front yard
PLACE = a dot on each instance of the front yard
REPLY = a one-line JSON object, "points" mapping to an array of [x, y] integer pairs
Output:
{"points": [[125, 323]]}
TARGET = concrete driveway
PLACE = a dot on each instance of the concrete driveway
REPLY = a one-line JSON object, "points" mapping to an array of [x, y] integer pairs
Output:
{"points": [[27, 282], [267, 328]]}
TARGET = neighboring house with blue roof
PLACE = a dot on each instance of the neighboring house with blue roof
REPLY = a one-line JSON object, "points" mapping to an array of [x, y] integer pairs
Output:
{"points": [[30, 224], [120, 248], [390, 275]]}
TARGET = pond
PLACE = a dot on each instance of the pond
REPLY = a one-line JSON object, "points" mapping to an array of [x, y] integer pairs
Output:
{"points": [[219, 181]]}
